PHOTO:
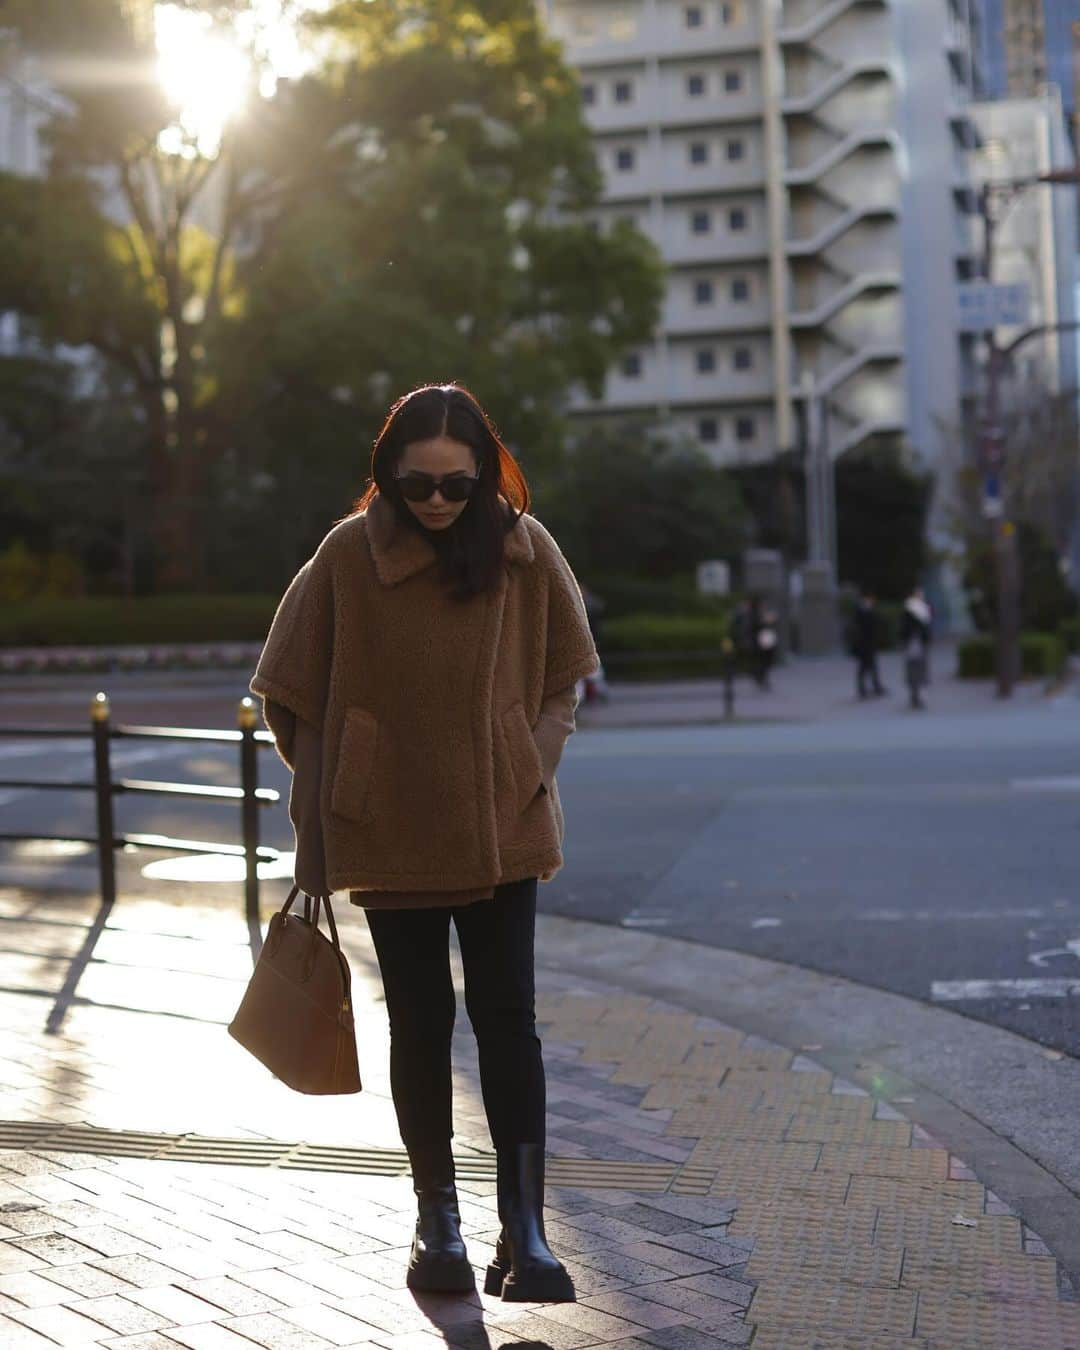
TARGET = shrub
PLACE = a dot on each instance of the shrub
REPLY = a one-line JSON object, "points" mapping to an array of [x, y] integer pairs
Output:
{"points": [[624, 595], [664, 646], [112, 620], [1069, 632], [1042, 656]]}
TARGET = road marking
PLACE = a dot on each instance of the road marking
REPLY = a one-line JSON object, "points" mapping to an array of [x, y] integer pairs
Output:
{"points": [[636, 920], [958, 991], [1071, 948], [765, 923], [942, 915], [1069, 783]]}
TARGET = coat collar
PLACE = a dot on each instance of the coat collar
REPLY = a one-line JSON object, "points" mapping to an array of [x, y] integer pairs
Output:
{"points": [[399, 552]]}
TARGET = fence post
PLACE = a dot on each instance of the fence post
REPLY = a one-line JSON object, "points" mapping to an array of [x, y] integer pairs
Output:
{"points": [[249, 781], [729, 679], [100, 713]]}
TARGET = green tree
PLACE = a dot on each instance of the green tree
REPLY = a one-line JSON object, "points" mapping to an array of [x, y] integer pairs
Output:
{"points": [[414, 209], [628, 503], [882, 502]]}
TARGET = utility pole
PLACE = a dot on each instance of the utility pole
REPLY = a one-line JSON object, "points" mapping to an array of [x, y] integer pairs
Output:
{"points": [[992, 463], [995, 198]]}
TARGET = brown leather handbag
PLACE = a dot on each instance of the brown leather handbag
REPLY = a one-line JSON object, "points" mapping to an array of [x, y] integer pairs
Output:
{"points": [[296, 1014]]}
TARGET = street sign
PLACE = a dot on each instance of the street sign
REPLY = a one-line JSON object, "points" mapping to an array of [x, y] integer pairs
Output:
{"points": [[993, 506], [984, 305], [714, 577]]}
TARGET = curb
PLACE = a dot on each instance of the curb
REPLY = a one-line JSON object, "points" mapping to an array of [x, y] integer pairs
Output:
{"points": [[954, 1076]]}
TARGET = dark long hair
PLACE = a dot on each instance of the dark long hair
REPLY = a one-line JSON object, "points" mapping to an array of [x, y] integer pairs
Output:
{"points": [[471, 549]]}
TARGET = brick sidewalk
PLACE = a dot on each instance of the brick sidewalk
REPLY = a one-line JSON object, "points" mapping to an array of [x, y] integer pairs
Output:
{"points": [[707, 1189]]}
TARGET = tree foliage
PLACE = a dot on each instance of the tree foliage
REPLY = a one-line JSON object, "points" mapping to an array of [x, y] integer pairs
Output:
{"points": [[412, 210], [628, 503]]}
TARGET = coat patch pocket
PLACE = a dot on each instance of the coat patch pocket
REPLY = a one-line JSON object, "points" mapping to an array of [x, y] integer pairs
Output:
{"points": [[525, 762], [350, 790]]}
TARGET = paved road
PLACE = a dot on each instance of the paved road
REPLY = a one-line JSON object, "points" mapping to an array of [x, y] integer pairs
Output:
{"points": [[926, 855]]}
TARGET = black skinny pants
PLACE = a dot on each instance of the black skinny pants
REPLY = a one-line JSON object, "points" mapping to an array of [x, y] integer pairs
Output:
{"points": [[497, 944]]}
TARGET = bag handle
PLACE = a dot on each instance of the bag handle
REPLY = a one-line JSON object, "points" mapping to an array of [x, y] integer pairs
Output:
{"points": [[313, 919]]}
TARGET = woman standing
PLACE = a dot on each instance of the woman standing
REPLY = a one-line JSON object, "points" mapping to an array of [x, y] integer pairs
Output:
{"points": [[915, 632], [419, 679]]}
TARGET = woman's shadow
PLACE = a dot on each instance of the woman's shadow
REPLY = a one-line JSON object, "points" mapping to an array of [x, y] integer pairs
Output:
{"points": [[460, 1322]]}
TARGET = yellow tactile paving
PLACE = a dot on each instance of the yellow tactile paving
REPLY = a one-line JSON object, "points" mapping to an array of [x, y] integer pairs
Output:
{"points": [[828, 1263], [765, 1157], [937, 1231], [857, 1244], [878, 1161], [870, 1311], [951, 1197], [807, 1338], [1013, 1275], [993, 1323]]}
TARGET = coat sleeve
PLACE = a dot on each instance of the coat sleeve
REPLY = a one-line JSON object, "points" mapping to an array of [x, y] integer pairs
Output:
{"points": [[309, 869], [293, 671], [554, 727], [571, 651]]}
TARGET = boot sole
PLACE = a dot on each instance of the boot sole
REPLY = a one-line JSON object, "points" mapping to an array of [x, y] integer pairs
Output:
{"points": [[442, 1277], [541, 1286], [493, 1280]]}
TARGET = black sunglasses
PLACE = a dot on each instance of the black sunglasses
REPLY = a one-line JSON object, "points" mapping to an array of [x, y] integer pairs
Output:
{"points": [[418, 487]]}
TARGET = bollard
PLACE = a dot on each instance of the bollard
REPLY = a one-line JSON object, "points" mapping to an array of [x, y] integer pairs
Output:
{"points": [[103, 793], [249, 815], [729, 679]]}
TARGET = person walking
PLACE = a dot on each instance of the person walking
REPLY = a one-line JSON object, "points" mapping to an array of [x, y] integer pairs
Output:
{"points": [[420, 680], [864, 647], [915, 633]]}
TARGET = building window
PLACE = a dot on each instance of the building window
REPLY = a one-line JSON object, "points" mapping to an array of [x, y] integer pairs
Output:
{"points": [[708, 429], [703, 292], [631, 366], [732, 81], [740, 289], [699, 152], [624, 91], [693, 16], [737, 218], [701, 222], [727, 14], [735, 150], [742, 358], [624, 159], [588, 94], [695, 85], [705, 359], [745, 429]]}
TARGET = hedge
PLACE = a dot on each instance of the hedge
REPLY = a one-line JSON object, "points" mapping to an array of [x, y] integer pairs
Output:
{"points": [[111, 620], [1069, 632], [664, 646], [625, 596], [1042, 656]]}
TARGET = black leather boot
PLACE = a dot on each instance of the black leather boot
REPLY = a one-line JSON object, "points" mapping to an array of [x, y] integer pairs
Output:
{"points": [[525, 1270], [438, 1262]]}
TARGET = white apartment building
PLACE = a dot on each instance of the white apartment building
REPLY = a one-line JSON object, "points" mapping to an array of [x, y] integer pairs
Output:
{"points": [[802, 166]]}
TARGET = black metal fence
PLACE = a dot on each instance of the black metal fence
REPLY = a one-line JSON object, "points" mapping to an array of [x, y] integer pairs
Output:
{"points": [[106, 789]]}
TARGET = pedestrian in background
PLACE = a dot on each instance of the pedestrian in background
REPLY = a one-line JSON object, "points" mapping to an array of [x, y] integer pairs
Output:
{"points": [[864, 647], [763, 641], [915, 633], [419, 679]]}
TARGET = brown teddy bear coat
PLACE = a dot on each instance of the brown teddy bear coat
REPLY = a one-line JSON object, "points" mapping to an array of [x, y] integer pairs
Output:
{"points": [[428, 709]]}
